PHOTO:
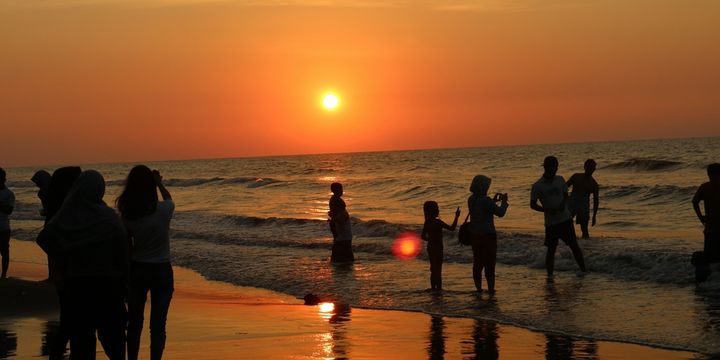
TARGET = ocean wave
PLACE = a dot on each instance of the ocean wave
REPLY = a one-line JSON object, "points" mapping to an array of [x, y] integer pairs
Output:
{"points": [[647, 193], [641, 164], [603, 255]]}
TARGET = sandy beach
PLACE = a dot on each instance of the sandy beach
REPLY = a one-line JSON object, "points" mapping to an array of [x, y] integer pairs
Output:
{"points": [[215, 320]]}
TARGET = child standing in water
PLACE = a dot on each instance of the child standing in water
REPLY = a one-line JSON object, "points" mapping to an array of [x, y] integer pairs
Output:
{"points": [[340, 226], [432, 233]]}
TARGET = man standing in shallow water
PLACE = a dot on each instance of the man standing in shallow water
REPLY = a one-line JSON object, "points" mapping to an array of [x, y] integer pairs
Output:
{"points": [[552, 193], [7, 203], [709, 194], [583, 184]]}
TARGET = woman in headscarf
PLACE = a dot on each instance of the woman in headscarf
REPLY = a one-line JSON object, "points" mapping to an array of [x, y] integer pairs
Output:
{"points": [[89, 240], [59, 186], [41, 179], [482, 226]]}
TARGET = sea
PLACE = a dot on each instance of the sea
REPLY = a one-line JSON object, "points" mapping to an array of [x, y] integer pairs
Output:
{"points": [[262, 222]]}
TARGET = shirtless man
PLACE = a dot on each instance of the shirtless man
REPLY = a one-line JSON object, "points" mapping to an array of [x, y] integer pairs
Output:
{"points": [[709, 194], [583, 184]]}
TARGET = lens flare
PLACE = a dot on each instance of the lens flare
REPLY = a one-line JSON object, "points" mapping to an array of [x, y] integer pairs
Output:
{"points": [[406, 246]]}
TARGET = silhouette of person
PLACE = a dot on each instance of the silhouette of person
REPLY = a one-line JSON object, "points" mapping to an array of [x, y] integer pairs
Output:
{"points": [[42, 179], [552, 193], [90, 241], [709, 194], [583, 184], [340, 226], [7, 204], [147, 221], [432, 232], [483, 209], [60, 184]]}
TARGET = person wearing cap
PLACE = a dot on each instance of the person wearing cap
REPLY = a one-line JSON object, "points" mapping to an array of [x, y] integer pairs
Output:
{"points": [[583, 184], [551, 192]]}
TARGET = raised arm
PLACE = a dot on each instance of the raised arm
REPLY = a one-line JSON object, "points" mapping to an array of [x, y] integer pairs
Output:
{"points": [[163, 191], [454, 224]]}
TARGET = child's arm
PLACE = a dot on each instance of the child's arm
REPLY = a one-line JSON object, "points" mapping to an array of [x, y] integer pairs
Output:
{"points": [[454, 224]]}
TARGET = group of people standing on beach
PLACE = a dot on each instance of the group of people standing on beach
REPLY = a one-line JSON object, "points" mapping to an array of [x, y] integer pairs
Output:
{"points": [[104, 262], [549, 195], [100, 261]]}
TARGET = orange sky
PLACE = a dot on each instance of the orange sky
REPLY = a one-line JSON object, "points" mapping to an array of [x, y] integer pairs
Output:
{"points": [[103, 81]]}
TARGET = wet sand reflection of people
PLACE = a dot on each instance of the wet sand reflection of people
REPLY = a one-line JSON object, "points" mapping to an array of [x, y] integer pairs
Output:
{"points": [[338, 315], [561, 347], [8, 344], [436, 343], [50, 337], [484, 341]]}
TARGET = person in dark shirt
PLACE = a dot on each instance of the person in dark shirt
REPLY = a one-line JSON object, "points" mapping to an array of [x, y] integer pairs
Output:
{"points": [[432, 233]]}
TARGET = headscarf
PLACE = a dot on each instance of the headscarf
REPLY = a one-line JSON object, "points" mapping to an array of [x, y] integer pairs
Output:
{"points": [[42, 178], [89, 235], [60, 184], [480, 185], [84, 213]]}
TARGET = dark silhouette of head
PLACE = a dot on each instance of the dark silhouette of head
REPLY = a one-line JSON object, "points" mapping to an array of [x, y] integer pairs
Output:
{"points": [[60, 184], [336, 188], [713, 171], [590, 166], [550, 164], [3, 178], [139, 198], [431, 210], [41, 179]]}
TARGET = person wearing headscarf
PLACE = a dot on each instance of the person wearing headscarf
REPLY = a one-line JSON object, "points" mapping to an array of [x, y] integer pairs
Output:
{"points": [[42, 179], [483, 209], [59, 186], [89, 241]]}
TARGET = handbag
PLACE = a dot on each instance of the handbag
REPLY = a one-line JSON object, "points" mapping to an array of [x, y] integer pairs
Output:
{"points": [[464, 234]]}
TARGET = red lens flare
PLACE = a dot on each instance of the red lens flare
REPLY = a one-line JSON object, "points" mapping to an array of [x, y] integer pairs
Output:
{"points": [[406, 246]]}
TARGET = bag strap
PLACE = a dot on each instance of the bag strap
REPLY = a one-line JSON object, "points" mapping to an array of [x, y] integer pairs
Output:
{"points": [[470, 209]]}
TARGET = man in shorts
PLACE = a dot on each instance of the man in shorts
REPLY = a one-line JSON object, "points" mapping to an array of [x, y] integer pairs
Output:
{"points": [[709, 194], [7, 203], [552, 193]]}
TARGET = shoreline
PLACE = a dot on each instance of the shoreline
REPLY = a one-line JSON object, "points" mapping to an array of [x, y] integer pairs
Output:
{"points": [[217, 320]]}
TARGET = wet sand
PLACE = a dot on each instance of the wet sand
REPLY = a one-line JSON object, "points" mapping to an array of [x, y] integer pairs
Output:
{"points": [[214, 320]]}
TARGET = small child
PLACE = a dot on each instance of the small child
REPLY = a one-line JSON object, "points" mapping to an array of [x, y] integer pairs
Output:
{"points": [[432, 233], [340, 226]]}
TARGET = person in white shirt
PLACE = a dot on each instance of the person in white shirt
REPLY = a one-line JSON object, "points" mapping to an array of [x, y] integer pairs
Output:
{"points": [[7, 204], [552, 193], [147, 221]]}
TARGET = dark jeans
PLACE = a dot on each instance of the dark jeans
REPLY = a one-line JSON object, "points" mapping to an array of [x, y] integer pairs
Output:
{"points": [[484, 256], [95, 305], [5, 250], [158, 280]]}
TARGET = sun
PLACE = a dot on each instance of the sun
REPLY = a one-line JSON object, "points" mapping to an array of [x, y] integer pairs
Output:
{"points": [[330, 101]]}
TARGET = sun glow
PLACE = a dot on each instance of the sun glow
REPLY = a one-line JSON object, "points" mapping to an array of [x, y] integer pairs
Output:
{"points": [[330, 101]]}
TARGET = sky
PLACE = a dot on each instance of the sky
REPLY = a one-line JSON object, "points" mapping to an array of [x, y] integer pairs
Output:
{"points": [[94, 81]]}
